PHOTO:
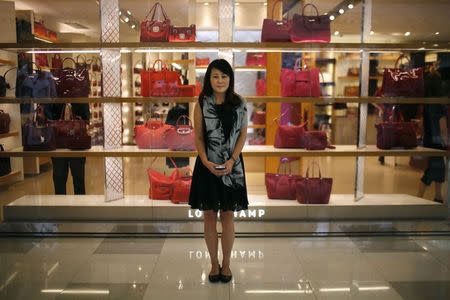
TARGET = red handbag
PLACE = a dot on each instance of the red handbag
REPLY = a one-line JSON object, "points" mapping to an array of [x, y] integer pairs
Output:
{"points": [[73, 82], [259, 117], [181, 137], [392, 133], [310, 190], [182, 34], [300, 82], [275, 30], [155, 30], [160, 184], [71, 133], [151, 135], [290, 136], [181, 186], [260, 87], [202, 62], [316, 140], [41, 59], [281, 186], [186, 90], [403, 82], [310, 29], [255, 59], [163, 83], [257, 140]]}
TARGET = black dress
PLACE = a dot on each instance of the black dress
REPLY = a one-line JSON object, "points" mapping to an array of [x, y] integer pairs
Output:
{"points": [[208, 192]]}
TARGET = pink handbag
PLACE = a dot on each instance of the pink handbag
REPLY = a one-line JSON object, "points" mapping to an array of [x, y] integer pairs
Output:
{"points": [[153, 30], [182, 34], [300, 82], [255, 59], [310, 190], [181, 137], [310, 29], [290, 136], [316, 140], [281, 186], [275, 30], [259, 117], [151, 135]]}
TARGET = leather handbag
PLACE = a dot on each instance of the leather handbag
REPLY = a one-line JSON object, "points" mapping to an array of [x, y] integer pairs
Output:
{"points": [[71, 132], [181, 186], [259, 117], [300, 81], [260, 87], [281, 186], [313, 190], [57, 64], [5, 164], [73, 82], [186, 90], [255, 59], [38, 134], [316, 140], [41, 59], [290, 136], [153, 30], [406, 82], [275, 30], [310, 29], [182, 34], [151, 135], [201, 62], [394, 133], [5, 121], [159, 83], [181, 137], [160, 184]]}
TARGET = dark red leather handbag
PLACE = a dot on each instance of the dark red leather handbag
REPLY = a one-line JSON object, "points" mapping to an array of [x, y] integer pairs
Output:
{"points": [[275, 30], [255, 59], [310, 29], [316, 140], [300, 81], [313, 190], [72, 82], [181, 137], [290, 136], [153, 30], [57, 65], [393, 133], [182, 34], [259, 117], [5, 121], [281, 186], [71, 132], [406, 82]]}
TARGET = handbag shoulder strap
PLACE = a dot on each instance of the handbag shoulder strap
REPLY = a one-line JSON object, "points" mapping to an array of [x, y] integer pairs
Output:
{"points": [[70, 59], [312, 5], [402, 56], [273, 7], [285, 161], [184, 117], [153, 12], [312, 164]]}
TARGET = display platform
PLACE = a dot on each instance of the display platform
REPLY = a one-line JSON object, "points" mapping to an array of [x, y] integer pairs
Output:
{"points": [[140, 208]]}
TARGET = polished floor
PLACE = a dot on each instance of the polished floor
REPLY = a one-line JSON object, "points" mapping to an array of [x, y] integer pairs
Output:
{"points": [[263, 267]]}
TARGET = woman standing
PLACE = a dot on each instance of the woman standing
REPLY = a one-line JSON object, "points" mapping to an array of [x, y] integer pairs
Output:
{"points": [[218, 182]]}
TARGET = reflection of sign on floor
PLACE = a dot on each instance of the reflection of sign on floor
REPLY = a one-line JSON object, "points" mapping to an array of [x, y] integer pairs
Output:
{"points": [[243, 214], [235, 254]]}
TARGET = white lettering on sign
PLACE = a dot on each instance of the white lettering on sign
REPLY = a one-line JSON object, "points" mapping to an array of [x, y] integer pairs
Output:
{"points": [[235, 254], [243, 214]]}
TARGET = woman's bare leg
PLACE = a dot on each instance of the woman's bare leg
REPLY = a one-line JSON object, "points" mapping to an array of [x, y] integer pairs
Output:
{"points": [[227, 239], [211, 238]]}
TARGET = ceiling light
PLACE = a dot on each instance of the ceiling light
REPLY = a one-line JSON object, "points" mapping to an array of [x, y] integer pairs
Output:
{"points": [[128, 12], [120, 13], [332, 18], [126, 19], [265, 3], [372, 32], [133, 26], [325, 14], [350, 6], [341, 11], [436, 45], [336, 33], [237, 3], [206, 4], [407, 33], [436, 33]]}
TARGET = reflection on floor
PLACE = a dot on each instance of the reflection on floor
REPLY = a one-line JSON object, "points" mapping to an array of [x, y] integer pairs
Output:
{"points": [[395, 177], [263, 268]]}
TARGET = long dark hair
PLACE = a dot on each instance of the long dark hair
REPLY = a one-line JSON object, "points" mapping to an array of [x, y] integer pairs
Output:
{"points": [[231, 98]]}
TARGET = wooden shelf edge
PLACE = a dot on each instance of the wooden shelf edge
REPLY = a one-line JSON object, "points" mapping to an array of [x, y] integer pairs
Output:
{"points": [[7, 62], [9, 134], [9, 176]]}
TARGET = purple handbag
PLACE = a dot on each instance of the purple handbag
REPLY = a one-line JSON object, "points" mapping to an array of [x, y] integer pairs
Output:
{"points": [[275, 30], [310, 29]]}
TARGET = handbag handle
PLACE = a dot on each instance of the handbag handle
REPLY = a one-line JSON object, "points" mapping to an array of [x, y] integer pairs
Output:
{"points": [[68, 58], [394, 109], [153, 12], [67, 106], [83, 57], [273, 7], [312, 164], [400, 58], [163, 64], [184, 117], [310, 4], [283, 161]]}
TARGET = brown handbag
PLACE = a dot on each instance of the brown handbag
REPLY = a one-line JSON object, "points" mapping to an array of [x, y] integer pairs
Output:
{"points": [[71, 133], [5, 120]]}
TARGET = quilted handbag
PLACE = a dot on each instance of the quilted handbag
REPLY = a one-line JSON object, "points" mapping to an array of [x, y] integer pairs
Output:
{"points": [[73, 82], [406, 82], [153, 30], [255, 59], [275, 30], [182, 34], [5, 120], [290, 136], [5, 163], [181, 137], [151, 135], [310, 29], [38, 135], [393, 133], [281, 186], [71, 132], [313, 190], [300, 81], [160, 83]]}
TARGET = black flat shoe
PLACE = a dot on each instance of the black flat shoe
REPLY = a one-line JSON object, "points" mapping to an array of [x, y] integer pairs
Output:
{"points": [[438, 200], [225, 278], [215, 278]]}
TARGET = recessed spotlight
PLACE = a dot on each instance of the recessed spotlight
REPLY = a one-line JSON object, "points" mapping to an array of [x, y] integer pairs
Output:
{"points": [[237, 4], [436, 45], [133, 26], [325, 14], [206, 4], [407, 33], [341, 11], [120, 13], [265, 3], [436, 33], [372, 32], [336, 33], [350, 6], [126, 19], [129, 12], [332, 18]]}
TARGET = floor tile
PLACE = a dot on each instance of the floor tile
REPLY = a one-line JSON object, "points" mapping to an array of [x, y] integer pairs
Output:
{"points": [[418, 290], [409, 266], [130, 246], [267, 272], [320, 244], [26, 291], [270, 291], [18, 245], [65, 246], [355, 227], [387, 244], [197, 291], [88, 291], [354, 289], [140, 228], [116, 268]]}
